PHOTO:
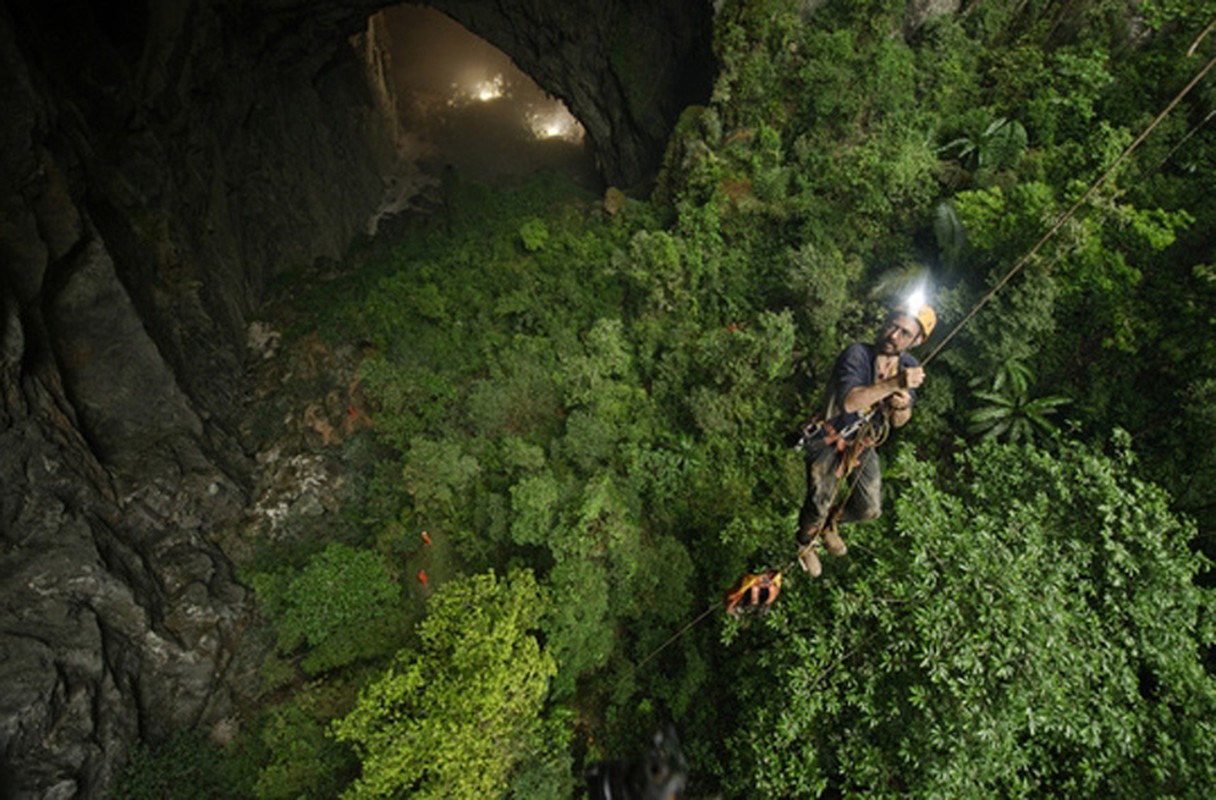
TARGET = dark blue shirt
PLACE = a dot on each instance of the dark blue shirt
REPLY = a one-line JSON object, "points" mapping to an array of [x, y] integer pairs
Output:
{"points": [[855, 367]]}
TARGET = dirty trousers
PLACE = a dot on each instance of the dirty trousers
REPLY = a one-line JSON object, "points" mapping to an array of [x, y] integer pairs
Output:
{"points": [[822, 463]]}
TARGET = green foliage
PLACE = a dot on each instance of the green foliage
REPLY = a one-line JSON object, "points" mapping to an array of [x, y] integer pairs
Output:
{"points": [[1000, 221], [1159, 13], [997, 147], [534, 234], [1200, 417], [184, 767], [342, 606], [1009, 411], [457, 713], [1025, 626], [438, 475], [547, 772], [601, 399], [304, 760], [1014, 416], [1067, 93], [534, 503], [583, 631], [755, 44]]}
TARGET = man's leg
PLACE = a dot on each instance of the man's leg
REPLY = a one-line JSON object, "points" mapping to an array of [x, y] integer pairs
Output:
{"points": [[865, 500], [821, 462]]}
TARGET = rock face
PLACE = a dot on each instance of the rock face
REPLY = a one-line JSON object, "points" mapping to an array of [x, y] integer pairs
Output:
{"points": [[157, 172], [160, 164]]}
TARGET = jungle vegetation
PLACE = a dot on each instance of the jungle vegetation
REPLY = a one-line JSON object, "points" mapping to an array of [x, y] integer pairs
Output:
{"points": [[587, 414]]}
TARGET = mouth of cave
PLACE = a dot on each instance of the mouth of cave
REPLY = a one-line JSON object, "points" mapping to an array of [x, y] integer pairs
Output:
{"points": [[468, 112]]}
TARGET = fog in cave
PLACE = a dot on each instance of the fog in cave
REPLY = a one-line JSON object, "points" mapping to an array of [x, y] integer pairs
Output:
{"points": [[468, 107]]}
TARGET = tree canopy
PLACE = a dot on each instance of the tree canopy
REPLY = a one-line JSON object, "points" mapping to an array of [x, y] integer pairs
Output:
{"points": [[594, 403], [452, 717], [1025, 623]]}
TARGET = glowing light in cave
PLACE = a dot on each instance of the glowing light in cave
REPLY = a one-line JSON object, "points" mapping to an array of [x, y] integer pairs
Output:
{"points": [[488, 91], [468, 106], [478, 90], [554, 122]]}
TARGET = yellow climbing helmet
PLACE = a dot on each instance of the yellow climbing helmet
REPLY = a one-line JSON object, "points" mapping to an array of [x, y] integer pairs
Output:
{"points": [[916, 306], [927, 319]]}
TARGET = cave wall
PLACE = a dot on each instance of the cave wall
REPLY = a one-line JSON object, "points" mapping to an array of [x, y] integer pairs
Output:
{"points": [[159, 168], [160, 165]]}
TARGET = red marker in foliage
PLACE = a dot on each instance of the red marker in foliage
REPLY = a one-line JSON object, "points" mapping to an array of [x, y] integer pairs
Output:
{"points": [[426, 538], [422, 577]]}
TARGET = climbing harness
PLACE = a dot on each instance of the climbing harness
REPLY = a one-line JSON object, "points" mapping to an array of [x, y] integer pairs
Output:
{"points": [[816, 428]]}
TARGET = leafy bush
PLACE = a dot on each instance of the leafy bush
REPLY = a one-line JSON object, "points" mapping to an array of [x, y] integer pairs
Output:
{"points": [[534, 234], [185, 767], [342, 606], [456, 714], [304, 760]]}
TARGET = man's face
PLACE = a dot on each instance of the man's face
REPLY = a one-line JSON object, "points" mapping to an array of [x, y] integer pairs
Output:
{"points": [[899, 333]]}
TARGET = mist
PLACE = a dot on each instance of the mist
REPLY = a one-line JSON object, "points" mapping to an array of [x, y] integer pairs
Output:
{"points": [[473, 111]]}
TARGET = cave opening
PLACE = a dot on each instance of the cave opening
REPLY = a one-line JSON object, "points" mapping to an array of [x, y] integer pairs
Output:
{"points": [[467, 111]]}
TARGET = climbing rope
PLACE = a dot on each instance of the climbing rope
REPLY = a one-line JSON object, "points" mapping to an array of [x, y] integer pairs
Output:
{"points": [[680, 632]]}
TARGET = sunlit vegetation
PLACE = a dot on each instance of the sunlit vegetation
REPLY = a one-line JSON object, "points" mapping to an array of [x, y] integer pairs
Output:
{"points": [[589, 411]]}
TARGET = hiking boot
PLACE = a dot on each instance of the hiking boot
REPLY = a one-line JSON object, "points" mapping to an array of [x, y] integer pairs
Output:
{"points": [[807, 534], [809, 559], [833, 542]]}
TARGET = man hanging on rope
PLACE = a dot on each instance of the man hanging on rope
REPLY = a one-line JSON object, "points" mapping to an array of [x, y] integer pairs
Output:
{"points": [[871, 387]]}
